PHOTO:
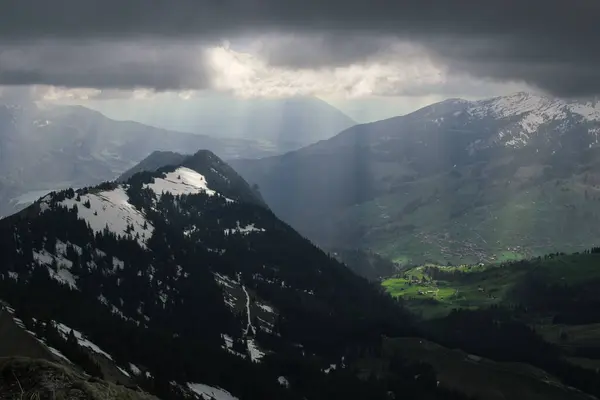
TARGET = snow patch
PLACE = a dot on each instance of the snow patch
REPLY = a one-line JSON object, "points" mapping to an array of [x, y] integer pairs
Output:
{"points": [[266, 308], [207, 392], [123, 372], [228, 340], [62, 273], [283, 381], [43, 257], [19, 322], [225, 281], [255, 353], [51, 349], [81, 340], [112, 210], [63, 276], [331, 367], [243, 230], [39, 123], [134, 369], [181, 181], [118, 264], [56, 352]]}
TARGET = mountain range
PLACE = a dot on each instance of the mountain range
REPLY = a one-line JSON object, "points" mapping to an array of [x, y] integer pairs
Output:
{"points": [[281, 125], [47, 147], [178, 282], [457, 181]]}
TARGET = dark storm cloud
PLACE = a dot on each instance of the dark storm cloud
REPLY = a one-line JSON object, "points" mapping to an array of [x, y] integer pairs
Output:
{"points": [[107, 65], [552, 44], [324, 50]]}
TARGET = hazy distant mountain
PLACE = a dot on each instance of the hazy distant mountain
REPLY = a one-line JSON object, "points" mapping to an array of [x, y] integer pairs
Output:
{"points": [[454, 181], [47, 148], [282, 124], [154, 161]]}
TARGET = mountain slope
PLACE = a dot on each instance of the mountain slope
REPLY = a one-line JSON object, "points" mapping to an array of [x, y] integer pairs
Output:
{"points": [[281, 124], [153, 162], [48, 148], [185, 281], [455, 181]]}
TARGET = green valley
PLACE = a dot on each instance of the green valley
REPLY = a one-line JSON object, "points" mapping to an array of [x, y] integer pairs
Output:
{"points": [[433, 290], [429, 297]]}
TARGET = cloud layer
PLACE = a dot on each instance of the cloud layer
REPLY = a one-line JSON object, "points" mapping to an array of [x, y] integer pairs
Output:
{"points": [[550, 44], [104, 65]]}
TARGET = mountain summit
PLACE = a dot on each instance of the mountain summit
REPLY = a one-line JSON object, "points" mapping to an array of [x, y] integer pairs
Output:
{"points": [[458, 181]]}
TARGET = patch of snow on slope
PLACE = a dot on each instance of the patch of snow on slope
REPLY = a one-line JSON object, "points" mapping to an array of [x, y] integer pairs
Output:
{"points": [[255, 353], [52, 350], [209, 392], [134, 369], [19, 322], [539, 109], [81, 340], [123, 372], [517, 104], [56, 352], [63, 273], [331, 367], [589, 111], [265, 308], [112, 209], [43, 257], [283, 381], [39, 123], [225, 281], [228, 340], [243, 230], [63, 276], [181, 181], [117, 264]]}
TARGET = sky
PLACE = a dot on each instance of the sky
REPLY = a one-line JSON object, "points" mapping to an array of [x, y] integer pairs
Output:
{"points": [[369, 58]]}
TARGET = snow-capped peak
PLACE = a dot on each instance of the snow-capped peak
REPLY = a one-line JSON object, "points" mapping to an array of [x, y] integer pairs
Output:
{"points": [[544, 108], [181, 181], [527, 113]]}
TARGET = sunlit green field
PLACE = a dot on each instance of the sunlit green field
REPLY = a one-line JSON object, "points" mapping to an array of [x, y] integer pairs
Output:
{"points": [[484, 285], [433, 298]]}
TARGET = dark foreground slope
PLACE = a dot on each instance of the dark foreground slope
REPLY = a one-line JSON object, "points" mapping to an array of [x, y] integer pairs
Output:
{"points": [[26, 378], [184, 281]]}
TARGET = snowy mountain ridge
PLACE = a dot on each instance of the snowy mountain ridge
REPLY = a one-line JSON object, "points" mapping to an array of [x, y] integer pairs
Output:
{"points": [[529, 115], [546, 107], [112, 210]]}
